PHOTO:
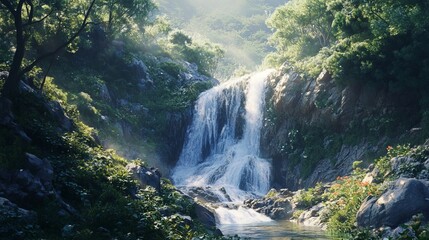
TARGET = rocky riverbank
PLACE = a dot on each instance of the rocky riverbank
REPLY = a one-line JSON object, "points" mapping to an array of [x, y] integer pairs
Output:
{"points": [[388, 200]]}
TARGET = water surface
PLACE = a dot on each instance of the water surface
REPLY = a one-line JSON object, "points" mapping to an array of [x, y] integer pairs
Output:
{"points": [[278, 230]]}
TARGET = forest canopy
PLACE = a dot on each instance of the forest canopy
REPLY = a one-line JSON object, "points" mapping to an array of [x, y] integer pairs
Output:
{"points": [[376, 41], [36, 32]]}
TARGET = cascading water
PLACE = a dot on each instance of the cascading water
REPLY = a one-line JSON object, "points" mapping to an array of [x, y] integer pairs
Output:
{"points": [[221, 152]]}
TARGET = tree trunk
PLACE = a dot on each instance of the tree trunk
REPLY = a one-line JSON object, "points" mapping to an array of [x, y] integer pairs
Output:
{"points": [[11, 86]]}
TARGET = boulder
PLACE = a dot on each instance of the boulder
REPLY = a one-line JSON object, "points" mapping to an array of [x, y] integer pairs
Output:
{"points": [[312, 217], [15, 221], [104, 93], [204, 215], [141, 71], [405, 198], [30, 185], [57, 113], [146, 176], [275, 205]]}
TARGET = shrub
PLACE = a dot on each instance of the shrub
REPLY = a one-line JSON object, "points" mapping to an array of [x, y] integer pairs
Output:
{"points": [[344, 200]]}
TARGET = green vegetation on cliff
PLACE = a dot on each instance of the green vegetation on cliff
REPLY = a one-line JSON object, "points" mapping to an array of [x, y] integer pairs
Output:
{"points": [[76, 75], [382, 43]]}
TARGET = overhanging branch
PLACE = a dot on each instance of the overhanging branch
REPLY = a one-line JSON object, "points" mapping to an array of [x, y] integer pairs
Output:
{"points": [[62, 46]]}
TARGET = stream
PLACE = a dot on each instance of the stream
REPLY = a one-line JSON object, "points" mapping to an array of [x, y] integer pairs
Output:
{"points": [[284, 230]]}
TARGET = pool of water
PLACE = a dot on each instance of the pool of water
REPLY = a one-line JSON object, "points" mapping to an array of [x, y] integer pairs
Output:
{"points": [[277, 230]]}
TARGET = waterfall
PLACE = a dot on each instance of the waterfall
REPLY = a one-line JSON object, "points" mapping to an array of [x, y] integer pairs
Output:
{"points": [[221, 151]]}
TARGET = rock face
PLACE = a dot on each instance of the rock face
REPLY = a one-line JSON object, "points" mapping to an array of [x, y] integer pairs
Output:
{"points": [[178, 123], [305, 121], [31, 185], [405, 198], [15, 220]]}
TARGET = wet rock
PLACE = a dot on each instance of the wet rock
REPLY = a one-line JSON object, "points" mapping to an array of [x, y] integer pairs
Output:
{"points": [[275, 205], [204, 215], [204, 194], [177, 126], [313, 216], [403, 199], [186, 220]]}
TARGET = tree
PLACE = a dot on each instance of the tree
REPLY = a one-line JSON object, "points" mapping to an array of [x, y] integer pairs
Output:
{"points": [[121, 16], [26, 17], [302, 28]]}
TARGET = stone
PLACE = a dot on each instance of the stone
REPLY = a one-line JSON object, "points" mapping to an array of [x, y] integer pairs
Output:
{"points": [[7, 119], [404, 166], [204, 215], [369, 178], [141, 71], [146, 176], [68, 231], [405, 198], [42, 169], [426, 164], [312, 217], [4, 75], [104, 93], [273, 205], [57, 112], [31, 185], [13, 219]]}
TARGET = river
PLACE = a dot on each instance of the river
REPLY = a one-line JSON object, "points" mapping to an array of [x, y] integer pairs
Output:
{"points": [[277, 230]]}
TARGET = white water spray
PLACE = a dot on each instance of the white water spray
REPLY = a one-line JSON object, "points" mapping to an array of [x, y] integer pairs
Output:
{"points": [[222, 146]]}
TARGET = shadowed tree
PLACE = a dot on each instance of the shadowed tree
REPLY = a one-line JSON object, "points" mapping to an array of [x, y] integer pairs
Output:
{"points": [[30, 20]]}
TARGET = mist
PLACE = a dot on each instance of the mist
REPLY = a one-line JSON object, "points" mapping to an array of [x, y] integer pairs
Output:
{"points": [[237, 26]]}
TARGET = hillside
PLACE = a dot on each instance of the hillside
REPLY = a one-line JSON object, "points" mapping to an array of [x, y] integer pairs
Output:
{"points": [[238, 27], [100, 107], [85, 114]]}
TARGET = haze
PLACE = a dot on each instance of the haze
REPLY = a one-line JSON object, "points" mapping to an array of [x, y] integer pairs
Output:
{"points": [[238, 26]]}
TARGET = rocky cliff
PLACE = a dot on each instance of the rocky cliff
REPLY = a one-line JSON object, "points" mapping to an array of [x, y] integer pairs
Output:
{"points": [[314, 129]]}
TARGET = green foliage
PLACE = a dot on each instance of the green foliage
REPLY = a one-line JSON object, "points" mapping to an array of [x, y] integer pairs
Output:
{"points": [[383, 163], [302, 29], [310, 197], [345, 198], [381, 42], [124, 17], [205, 55], [239, 27], [95, 182], [12, 150]]}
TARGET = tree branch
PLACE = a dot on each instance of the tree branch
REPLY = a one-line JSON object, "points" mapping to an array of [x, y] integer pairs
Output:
{"points": [[59, 48], [40, 20], [29, 7]]}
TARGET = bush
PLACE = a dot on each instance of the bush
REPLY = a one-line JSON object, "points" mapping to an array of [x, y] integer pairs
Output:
{"points": [[344, 200]]}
